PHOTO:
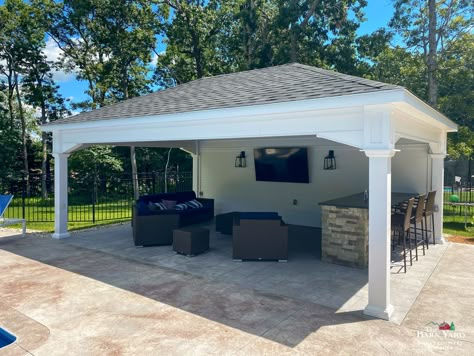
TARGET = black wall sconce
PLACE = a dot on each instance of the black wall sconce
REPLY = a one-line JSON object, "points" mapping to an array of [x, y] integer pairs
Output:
{"points": [[330, 161], [241, 160]]}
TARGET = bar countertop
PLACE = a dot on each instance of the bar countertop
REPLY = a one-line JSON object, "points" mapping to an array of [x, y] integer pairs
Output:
{"points": [[357, 200]]}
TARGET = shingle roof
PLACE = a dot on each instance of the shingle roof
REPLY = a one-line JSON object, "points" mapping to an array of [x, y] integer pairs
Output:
{"points": [[289, 82]]}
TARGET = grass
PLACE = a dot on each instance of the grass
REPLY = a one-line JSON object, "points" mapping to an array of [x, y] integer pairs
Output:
{"points": [[80, 216], [454, 225]]}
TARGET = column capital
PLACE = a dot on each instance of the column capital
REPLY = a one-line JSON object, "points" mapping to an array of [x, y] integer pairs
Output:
{"points": [[58, 154], [380, 153], [438, 155]]}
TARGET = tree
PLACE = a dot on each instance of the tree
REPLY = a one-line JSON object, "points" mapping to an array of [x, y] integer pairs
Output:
{"points": [[42, 92], [427, 27], [251, 41], [10, 140], [108, 44], [318, 32], [130, 31], [21, 39], [192, 50]]}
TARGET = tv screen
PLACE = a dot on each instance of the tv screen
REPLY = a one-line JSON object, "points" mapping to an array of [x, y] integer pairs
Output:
{"points": [[282, 164]]}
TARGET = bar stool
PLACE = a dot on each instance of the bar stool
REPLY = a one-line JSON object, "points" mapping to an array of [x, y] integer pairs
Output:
{"points": [[401, 223], [417, 218], [429, 212]]}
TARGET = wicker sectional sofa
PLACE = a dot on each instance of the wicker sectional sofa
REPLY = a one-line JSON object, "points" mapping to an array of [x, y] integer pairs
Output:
{"points": [[152, 226]]}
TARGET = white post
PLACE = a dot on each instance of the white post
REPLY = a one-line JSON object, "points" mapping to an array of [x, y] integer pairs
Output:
{"points": [[380, 186], [437, 183], [196, 173], [60, 195]]}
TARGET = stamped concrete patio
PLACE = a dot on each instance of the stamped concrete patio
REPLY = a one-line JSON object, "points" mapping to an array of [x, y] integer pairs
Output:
{"points": [[97, 294], [304, 277]]}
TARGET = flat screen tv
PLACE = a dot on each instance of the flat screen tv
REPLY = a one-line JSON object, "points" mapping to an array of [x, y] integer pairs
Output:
{"points": [[282, 164]]}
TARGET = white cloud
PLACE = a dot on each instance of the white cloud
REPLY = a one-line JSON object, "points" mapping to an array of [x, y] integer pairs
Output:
{"points": [[154, 58], [53, 53]]}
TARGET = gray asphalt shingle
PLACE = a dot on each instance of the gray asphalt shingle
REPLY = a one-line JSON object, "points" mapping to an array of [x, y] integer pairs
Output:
{"points": [[289, 82]]}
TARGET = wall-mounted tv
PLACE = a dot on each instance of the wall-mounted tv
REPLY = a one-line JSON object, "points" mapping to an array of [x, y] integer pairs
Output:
{"points": [[282, 164]]}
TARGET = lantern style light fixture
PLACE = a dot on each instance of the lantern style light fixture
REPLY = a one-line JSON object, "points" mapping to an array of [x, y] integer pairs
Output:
{"points": [[330, 161], [241, 160]]}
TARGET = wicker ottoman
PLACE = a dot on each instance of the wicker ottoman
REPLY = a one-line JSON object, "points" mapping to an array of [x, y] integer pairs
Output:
{"points": [[190, 241]]}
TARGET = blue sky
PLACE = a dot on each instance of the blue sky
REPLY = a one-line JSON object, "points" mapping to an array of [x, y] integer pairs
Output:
{"points": [[377, 13]]}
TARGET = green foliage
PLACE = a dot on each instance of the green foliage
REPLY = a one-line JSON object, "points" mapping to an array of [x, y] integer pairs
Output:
{"points": [[93, 161], [408, 66], [213, 37], [10, 143], [193, 37], [456, 80], [111, 46], [410, 21], [107, 43]]}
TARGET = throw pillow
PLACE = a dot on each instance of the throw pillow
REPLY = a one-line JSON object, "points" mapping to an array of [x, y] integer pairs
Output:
{"points": [[152, 206], [160, 206], [142, 207], [181, 206], [169, 204], [194, 204]]}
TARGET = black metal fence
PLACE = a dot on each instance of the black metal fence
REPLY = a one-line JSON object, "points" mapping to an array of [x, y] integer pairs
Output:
{"points": [[458, 190], [92, 197]]}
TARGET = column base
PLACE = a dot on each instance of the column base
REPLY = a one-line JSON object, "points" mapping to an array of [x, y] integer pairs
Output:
{"points": [[63, 235], [380, 313], [440, 240]]}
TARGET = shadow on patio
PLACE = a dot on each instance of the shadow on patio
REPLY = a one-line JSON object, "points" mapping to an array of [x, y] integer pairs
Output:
{"points": [[282, 302], [260, 298]]}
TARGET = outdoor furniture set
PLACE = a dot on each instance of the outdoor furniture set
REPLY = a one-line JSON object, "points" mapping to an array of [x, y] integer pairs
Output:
{"points": [[155, 217], [410, 225], [165, 219]]}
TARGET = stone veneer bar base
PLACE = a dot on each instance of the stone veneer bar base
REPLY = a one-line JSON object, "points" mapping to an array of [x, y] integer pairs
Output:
{"points": [[345, 235]]}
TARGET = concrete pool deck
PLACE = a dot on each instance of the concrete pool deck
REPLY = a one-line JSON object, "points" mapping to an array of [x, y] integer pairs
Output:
{"points": [[60, 298]]}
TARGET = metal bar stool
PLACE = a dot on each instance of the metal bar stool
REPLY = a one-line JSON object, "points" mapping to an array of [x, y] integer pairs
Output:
{"points": [[401, 223], [417, 218], [429, 212]]}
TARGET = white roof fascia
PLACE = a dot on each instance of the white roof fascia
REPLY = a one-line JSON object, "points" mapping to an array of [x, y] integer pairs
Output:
{"points": [[421, 106], [338, 102]]}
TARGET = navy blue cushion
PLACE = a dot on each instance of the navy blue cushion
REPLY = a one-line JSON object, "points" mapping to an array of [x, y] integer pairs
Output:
{"points": [[260, 215], [180, 197], [142, 208]]}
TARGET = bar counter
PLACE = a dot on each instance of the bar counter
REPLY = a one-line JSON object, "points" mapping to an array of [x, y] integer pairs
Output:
{"points": [[345, 228]]}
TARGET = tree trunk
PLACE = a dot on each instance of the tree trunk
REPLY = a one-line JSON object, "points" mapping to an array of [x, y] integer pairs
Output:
{"points": [[293, 45], [166, 170], [431, 62], [44, 150], [44, 165], [11, 90], [133, 157], [23, 137], [133, 163]]}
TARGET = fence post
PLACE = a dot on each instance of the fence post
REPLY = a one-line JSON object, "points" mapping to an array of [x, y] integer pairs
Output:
{"points": [[93, 206], [94, 197], [23, 198]]}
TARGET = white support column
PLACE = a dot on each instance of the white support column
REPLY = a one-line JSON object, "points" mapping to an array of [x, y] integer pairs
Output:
{"points": [[380, 186], [437, 183], [196, 173], [60, 195]]}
